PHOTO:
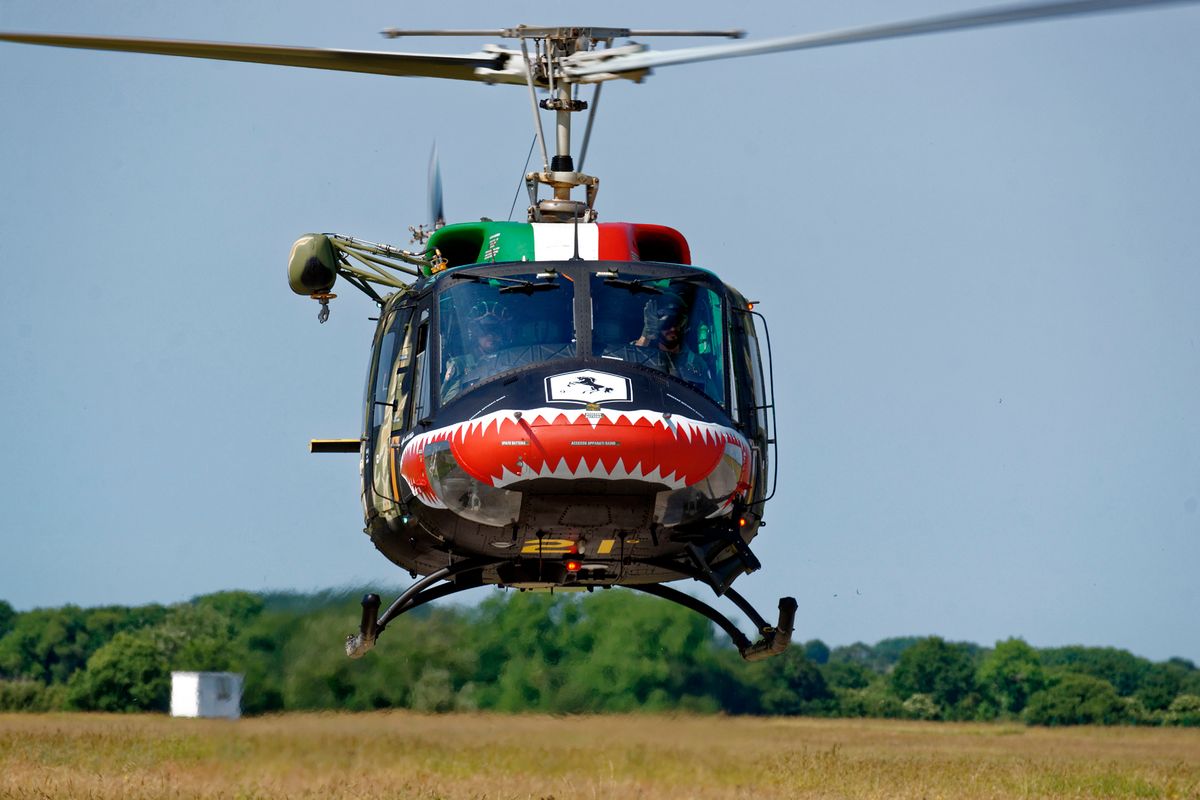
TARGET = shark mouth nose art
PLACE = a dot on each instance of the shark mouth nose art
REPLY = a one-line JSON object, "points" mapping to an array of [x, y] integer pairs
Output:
{"points": [[507, 447]]}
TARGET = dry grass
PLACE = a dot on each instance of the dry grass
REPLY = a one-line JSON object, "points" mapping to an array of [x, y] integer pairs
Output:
{"points": [[395, 754]]}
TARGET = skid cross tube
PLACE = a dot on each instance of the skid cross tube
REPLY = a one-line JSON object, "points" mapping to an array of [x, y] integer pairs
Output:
{"points": [[749, 610], [742, 603], [699, 606], [420, 593], [774, 640]]}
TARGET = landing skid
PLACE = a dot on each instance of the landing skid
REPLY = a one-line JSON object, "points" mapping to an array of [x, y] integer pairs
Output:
{"points": [[466, 575]]}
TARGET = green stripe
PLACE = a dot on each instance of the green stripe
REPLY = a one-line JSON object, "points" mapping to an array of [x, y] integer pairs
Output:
{"points": [[482, 242]]}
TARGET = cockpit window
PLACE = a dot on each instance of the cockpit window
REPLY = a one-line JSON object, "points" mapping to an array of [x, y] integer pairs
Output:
{"points": [[490, 325], [673, 325]]}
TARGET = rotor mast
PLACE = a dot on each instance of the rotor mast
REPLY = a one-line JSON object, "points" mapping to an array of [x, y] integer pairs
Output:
{"points": [[560, 174], [548, 53], [552, 46]]}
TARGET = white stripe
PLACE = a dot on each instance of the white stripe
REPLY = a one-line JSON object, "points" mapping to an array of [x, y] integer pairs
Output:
{"points": [[555, 241]]}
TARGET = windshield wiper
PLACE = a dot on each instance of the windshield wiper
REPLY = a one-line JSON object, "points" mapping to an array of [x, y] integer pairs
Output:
{"points": [[526, 287], [649, 285], [509, 284], [635, 286], [691, 277]]}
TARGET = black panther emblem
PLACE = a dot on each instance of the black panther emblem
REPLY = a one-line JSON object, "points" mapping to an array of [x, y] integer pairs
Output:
{"points": [[591, 384]]}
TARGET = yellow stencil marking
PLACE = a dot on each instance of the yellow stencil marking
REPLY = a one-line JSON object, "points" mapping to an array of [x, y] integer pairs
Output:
{"points": [[606, 545], [548, 547]]}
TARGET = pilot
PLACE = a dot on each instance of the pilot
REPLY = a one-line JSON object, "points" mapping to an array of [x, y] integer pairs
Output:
{"points": [[487, 324], [664, 326]]}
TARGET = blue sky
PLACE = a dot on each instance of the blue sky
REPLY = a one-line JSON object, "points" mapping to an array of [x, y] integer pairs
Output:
{"points": [[976, 252]]}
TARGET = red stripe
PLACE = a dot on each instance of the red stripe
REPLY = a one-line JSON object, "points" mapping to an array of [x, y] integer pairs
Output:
{"points": [[616, 241], [629, 241]]}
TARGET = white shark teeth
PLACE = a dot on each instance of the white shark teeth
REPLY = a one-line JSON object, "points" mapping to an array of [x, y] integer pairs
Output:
{"points": [[507, 476]]}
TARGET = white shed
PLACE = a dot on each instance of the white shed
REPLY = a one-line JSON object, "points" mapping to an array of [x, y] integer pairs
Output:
{"points": [[206, 694]]}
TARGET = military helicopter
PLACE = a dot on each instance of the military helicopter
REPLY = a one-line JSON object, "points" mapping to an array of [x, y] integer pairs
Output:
{"points": [[560, 403]]}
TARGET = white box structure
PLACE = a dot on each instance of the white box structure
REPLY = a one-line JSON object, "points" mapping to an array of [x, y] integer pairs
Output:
{"points": [[206, 694]]}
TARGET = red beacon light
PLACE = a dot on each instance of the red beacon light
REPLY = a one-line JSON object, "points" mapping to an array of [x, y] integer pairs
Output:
{"points": [[573, 565]]}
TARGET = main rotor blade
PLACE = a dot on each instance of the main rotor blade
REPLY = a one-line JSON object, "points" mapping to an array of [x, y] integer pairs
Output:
{"points": [[475, 67], [999, 15]]}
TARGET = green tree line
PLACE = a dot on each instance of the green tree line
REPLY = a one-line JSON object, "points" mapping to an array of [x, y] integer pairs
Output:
{"points": [[608, 651]]}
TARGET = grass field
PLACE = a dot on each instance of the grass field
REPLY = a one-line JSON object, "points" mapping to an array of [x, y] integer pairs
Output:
{"points": [[395, 754]]}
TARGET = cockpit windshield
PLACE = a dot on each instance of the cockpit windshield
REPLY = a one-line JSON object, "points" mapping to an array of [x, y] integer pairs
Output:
{"points": [[492, 324], [671, 324]]}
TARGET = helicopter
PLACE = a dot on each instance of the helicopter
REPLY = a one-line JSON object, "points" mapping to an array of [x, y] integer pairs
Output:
{"points": [[431, 408]]}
